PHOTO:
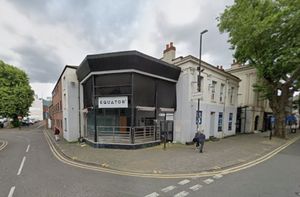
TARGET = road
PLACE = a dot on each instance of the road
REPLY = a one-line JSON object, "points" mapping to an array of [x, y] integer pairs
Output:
{"points": [[28, 168]]}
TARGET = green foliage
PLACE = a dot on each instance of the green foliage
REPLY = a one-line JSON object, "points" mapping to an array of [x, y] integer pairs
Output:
{"points": [[16, 95], [266, 35]]}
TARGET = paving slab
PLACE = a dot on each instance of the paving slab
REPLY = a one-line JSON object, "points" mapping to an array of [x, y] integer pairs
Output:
{"points": [[176, 158]]}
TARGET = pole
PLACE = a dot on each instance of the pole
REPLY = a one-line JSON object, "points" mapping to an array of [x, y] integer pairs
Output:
{"points": [[199, 79]]}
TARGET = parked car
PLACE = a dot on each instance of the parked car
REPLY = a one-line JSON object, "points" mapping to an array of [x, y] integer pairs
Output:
{"points": [[27, 121], [3, 120]]}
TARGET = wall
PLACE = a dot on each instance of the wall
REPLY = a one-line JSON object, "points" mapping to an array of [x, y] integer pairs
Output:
{"points": [[187, 101], [250, 101], [36, 109], [70, 103], [56, 108]]}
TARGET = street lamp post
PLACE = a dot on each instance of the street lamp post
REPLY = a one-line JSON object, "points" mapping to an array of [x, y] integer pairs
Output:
{"points": [[199, 78]]}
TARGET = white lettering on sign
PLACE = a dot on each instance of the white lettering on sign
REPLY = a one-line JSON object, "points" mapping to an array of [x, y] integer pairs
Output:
{"points": [[113, 102]]}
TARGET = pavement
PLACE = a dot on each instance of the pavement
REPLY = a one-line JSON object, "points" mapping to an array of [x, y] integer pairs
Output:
{"points": [[176, 158]]}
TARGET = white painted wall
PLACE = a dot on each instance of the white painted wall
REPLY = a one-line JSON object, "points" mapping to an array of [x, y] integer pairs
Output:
{"points": [[36, 109], [187, 96], [247, 96], [70, 105]]}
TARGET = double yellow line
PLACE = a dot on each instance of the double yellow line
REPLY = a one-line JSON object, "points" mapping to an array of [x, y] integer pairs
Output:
{"points": [[3, 144], [78, 164]]}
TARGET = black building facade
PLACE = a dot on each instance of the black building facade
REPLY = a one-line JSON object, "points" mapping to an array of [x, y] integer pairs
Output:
{"points": [[126, 98]]}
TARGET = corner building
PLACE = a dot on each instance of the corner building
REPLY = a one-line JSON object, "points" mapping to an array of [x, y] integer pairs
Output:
{"points": [[127, 99]]}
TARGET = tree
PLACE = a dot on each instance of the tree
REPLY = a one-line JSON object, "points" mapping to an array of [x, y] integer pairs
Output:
{"points": [[16, 95], [266, 35]]}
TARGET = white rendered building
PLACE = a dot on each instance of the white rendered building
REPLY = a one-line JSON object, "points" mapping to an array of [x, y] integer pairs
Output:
{"points": [[70, 103], [253, 112], [218, 98], [36, 109]]}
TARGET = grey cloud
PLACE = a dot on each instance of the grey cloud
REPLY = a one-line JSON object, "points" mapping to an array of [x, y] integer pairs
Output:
{"points": [[40, 62], [214, 43], [100, 23]]}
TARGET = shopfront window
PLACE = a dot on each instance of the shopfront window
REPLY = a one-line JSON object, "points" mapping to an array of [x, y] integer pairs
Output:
{"points": [[90, 126]]}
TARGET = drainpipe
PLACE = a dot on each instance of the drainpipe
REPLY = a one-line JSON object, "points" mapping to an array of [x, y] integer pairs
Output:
{"points": [[224, 106], [79, 112]]}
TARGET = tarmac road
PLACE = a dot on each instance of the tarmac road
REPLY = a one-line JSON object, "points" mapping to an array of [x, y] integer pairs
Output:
{"points": [[29, 168]]}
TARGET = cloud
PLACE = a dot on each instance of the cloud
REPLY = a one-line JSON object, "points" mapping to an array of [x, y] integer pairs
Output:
{"points": [[40, 62], [43, 36]]}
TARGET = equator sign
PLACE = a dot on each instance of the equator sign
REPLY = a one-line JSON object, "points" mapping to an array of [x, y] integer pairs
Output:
{"points": [[113, 102]]}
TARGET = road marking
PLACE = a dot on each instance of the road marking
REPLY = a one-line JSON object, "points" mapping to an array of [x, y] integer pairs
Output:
{"points": [[3, 145], [11, 192], [27, 148], [208, 181], [196, 187], [185, 181], [218, 176], [64, 159], [21, 166], [154, 194], [167, 189], [181, 194]]}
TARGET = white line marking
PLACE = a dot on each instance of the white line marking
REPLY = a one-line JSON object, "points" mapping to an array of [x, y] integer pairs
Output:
{"points": [[21, 166], [196, 187], [185, 181], [182, 194], [208, 181], [154, 194], [27, 148], [167, 189], [218, 176], [11, 192]]}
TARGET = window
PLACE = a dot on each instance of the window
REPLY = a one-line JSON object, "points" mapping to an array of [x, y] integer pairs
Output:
{"points": [[230, 122], [220, 121], [199, 83], [213, 90], [222, 92], [231, 95]]}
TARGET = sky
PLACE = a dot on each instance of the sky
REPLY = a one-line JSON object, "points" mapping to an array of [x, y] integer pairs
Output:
{"points": [[41, 37]]}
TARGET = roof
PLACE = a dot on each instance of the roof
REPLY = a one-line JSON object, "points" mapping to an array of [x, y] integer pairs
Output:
{"points": [[67, 66], [181, 60], [125, 60]]}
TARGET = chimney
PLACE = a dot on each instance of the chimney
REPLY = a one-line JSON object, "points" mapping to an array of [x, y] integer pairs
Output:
{"points": [[235, 64], [221, 67], [169, 53]]}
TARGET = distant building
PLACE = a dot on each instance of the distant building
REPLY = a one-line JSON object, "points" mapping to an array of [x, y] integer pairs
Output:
{"points": [[36, 109], [218, 98], [253, 112], [46, 104]]}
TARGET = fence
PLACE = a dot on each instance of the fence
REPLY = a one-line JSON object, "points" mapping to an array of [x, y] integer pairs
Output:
{"points": [[127, 135]]}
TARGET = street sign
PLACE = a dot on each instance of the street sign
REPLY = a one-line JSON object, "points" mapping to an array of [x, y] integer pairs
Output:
{"points": [[198, 117]]}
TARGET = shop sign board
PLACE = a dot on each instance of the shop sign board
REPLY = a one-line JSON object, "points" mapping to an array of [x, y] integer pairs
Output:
{"points": [[113, 102]]}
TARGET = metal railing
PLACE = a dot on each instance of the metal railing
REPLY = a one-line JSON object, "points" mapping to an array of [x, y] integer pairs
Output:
{"points": [[127, 135]]}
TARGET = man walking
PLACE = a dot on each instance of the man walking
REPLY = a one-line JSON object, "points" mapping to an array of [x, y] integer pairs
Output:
{"points": [[200, 139]]}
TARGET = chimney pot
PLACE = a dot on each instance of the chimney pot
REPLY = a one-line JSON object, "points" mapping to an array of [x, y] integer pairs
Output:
{"points": [[217, 67], [167, 46], [171, 44], [221, 67]]}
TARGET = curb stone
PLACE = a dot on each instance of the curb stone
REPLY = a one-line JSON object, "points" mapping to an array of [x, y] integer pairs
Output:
{"points": [[212, 171]]}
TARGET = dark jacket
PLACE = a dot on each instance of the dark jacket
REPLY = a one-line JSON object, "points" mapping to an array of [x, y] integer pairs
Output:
{"points": [[200, 137], [56, 131]]}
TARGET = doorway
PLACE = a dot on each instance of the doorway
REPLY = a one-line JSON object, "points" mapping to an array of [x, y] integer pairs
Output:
{"points": [[256, 123], [212, 123]]}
